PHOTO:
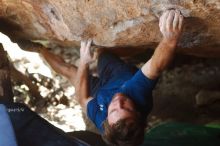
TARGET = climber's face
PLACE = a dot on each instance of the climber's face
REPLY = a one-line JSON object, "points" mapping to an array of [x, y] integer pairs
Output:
{"points": [[121, 107]]}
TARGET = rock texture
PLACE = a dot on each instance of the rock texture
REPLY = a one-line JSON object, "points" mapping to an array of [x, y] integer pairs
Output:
{"points": [[111, 23], [6, 94]]}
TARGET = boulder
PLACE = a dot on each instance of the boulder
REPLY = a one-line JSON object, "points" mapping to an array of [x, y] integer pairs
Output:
{"points": [[206, 97], [111, 23]]}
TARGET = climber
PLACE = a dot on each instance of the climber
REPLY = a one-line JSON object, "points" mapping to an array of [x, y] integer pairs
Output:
{"points": [[120, 98]]}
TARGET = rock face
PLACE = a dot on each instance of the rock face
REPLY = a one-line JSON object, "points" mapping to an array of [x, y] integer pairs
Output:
{"points": [[6, 94], [111, 23]]}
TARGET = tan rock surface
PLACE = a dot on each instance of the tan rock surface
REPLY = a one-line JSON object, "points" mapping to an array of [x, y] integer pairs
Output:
{"points": [[111, 23]]}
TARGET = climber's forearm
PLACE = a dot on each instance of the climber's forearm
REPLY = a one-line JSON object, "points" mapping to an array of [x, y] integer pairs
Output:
{"points": [[160, 60], [171, 23], [57, 63], [81, 84]]}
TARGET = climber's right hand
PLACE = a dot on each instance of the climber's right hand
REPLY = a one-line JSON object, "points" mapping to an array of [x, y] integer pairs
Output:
{"points": [[85, 52], [171, 23]]}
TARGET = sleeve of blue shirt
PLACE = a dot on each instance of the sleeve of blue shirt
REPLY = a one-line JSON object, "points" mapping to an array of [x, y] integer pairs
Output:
{"points": [[94, 114], [139, 88]]}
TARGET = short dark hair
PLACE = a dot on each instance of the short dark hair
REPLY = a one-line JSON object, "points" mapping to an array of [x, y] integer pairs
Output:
{"points": [[124, 133]]}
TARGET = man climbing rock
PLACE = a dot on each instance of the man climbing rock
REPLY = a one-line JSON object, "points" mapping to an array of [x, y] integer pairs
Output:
{"points": [[120, 98]]}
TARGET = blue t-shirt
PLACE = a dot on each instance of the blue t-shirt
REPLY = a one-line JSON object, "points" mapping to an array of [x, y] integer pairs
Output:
{"points": [[137, 87], [7, 136]]}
